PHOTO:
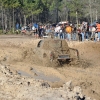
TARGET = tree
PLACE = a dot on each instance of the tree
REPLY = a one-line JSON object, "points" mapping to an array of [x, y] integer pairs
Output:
{"points": [[29, 11], [11, 4]]}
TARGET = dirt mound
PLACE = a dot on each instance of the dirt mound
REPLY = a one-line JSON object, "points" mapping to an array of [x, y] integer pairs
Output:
{"points": [[17, 53], [88, 51], [86, 74]]}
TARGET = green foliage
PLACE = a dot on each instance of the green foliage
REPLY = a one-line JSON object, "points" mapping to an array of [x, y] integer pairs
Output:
{"points": [[74, 6], [41, 9], [10, 3]]}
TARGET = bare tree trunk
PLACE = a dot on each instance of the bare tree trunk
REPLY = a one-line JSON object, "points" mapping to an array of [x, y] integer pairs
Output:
{"points": [[76, 19], [20, 22], [13, 21], [32, 18], [10, 23], [20, 19], [2, 18], [5, 20], [96, 14], [90, 4], [24, 20]]}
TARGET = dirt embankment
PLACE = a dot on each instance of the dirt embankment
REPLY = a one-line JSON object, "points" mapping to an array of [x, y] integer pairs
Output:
{"points": [[17, 53], [86, 76]]}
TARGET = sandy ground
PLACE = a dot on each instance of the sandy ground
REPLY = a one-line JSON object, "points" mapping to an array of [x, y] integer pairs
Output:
{"points": [[16, 52]]}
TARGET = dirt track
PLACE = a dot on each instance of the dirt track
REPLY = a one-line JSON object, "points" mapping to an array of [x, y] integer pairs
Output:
{"points": [[16, 52]]}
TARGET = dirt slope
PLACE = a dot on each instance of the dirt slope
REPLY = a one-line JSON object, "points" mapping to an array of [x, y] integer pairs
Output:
{"points": [[87, 76], [16, 52]]}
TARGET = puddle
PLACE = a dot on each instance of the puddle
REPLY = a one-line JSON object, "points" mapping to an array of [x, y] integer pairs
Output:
{"points": [[39, 75], [22, 73], [44, 77]]}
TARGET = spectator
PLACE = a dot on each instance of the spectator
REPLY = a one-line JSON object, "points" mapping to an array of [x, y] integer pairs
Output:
{"points": [[34, 30], [57, 31], [87, 32], [40, 31], [74, 33], [98, 29], [79, 34], [82, 35], [96, 37], [68, 31], [61, 33], [92, 29]]}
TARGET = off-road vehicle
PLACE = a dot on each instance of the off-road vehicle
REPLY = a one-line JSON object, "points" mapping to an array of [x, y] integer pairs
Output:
{"points": [[53, 52]]}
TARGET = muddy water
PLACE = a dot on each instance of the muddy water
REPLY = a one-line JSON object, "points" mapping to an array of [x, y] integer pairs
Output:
{"points": [[39, 75]]}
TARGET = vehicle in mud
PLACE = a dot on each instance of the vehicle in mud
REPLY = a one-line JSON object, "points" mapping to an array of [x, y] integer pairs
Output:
{"points": [[54, 52]]}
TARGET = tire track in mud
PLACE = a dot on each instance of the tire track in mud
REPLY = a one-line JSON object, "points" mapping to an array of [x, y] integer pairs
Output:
{"points": [[77, 71]]}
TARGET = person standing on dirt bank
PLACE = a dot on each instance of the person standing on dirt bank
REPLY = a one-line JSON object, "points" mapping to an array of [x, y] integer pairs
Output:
{"points": [[74, 33], [57, 29], [68, 30], [98, 29], [79, 34], [35, 25], [61, 32], [82, 33], [87, 34], [40, 31]]}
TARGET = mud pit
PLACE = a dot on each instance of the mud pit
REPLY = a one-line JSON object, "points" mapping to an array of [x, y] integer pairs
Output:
{"points": [[17, 53]]}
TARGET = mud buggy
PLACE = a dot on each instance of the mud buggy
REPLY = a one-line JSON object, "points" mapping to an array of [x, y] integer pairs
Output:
{"points": [[54, 52]]}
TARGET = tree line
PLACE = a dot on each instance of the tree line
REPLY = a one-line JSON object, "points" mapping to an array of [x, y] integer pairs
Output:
{"points": [[25, 12]]}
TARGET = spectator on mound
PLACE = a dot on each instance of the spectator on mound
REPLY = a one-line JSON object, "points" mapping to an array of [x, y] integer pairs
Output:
{"points": [[34, 30], [79, 34], [68, 31], [40, 31], [96, 37], [92, 29], [74, 33], [98, 29], [57, 31], [87, 32], [82, 35], [61, 33]]}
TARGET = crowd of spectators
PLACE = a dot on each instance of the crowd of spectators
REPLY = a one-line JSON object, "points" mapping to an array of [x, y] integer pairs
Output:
{"points": [[68, 31]]}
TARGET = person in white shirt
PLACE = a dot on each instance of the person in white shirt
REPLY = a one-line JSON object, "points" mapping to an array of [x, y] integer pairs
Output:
{"points": [[57, 30]]}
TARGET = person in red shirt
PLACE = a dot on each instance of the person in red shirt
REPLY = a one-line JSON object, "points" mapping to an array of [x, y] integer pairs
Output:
{"points": [[98, 29]]}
